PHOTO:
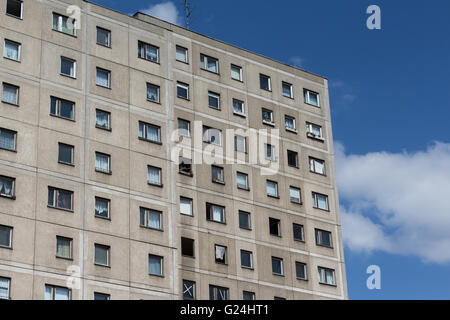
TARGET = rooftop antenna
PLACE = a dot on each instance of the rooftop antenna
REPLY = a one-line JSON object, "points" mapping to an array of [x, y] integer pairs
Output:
{"points": [[187, 13]]}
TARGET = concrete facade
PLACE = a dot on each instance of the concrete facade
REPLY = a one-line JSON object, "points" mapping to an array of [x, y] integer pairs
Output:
{"points": [[31, 263]]}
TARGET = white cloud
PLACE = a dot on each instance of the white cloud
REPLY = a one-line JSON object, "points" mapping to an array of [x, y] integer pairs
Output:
{"points": [[166, 11], [397, 202], [296, 62]]}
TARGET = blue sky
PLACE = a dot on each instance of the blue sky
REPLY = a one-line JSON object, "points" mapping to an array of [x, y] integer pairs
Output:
{"points": [[390, 96]]}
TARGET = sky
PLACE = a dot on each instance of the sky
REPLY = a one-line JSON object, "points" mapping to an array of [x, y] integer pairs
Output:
{"points": [[389, 97]]}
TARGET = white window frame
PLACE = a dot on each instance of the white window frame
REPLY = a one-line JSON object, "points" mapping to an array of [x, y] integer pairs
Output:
{"points": [[291, 89], [144, 47], [242, 113], [315, 196], [236, 138], [297, 263], [56, 192], [53, 291], [319, 238], [109, 119], [181, 132], [186, 54], [299, 195], [270, 122], [204, 62], [158, 92], [294, 129], [183, 86], [272, 148], [108, 255], [60, 24], [74, 63], [276, 189], [309, 131], [246, 181], [72, 148], [13, 188], [240, 72], [191, 213], [269, 79], [147, 213], [70, 247], [58, 102], [312, 165], [108, 44], [108, 205], [207, 135], [307, 95], [97, 69], [21, 9], [8, 280], [11, 230], [216, 96], [101, 154], [19, 49], [251, 259], [302, 228], [322, 276], [145, 127], [211, 216], [281, 266], [161, 271]]}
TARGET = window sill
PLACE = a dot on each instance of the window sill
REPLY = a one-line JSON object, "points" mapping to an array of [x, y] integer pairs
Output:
{"points": [[312, 105], [298, 203], [298, 240], [326, 210], [292, 130], [156, 275], [8, 197], [109, 173], [151, 141], [275, 235], [278, 274], [155, 185], [103, 45], [218, 182], [248, 268], [155, 102], [187, 174], [59, 117], [15, 151], [67, 76], [104, 87], [102, 265], [242, 115], [152, 229], [216, 73], [274, 197], [311, 136], [67, 164], [214, 108], [186, 256], [67, 34], [13, 16], [293, 166], [103, 128], [183, 98], [10, 59], [267, 90], [64, 258], [184, 62], [244, 189], [148, 60], [222, 263], [324, 246], [320, 174], [302, 279], [328, 284], [62, 209], [224, 223], [288, 97], [272, 124], [241, 81], [5, 247], [102, 218], [10, 103], [187, 215], [248, 229]]}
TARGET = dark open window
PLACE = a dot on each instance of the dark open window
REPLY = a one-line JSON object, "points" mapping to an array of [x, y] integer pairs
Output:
{"points": [[187, 247], [14, 8]]}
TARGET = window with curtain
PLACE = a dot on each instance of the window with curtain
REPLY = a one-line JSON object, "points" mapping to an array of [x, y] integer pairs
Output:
{"points": [[102, 119], [272, 188], [238, 107], [242, 180], [63, 247], [65, 153], [320, 201], [4, 288], [287, 90], [184, 128], [103, 78], [62, 108], [152, 93], [215, 213], [7, 186], [209, 63], [155, 265], [326, 276], [154, 176], [5, 236], [277, 266], [60, 199], [149, 132], [314, 130], [68, 67], [317, 166], [182, 54], [221, 254], [267, 116], [8, 139], [289, 123], [102, 162], [12, 50], [102, 207], [295, 195], [323, 238], [150, 218], [10, 94], [148, 52], [56, 293], [101, 254], [240, 144], [103, 37], [64, 24], [217, 174], [236, 72], [186, 206]]}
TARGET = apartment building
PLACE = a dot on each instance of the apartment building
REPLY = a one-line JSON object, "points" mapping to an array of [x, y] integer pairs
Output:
{"points": [[93, 204]]}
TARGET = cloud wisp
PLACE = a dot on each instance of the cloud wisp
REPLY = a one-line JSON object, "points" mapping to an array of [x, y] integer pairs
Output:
{"points": [[397, 202], [166, 11]]}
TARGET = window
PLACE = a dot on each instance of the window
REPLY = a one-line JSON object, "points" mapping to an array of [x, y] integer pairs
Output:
{"points": [[323, 238], [102, 119], [298, 232], [60, 199], [244, 220], [102, 162], [103, 78], [217, 174], [10, 94], [311, 97], [188, 290], [6, 236], [186, 206], [150, 219], [11, 50], [8, 139], [246, 259], [148, 52], [102, 206], [267, 117], [104, 37], [300, 270], [287, 90], [320, 201], [154, 176], [5, 284], [152, 93], [65, 153], [314, 131], [236, 72], [149, 132], [326, 276], [317, 165], [264, 82], [213, 136], [215, 213], [155, 265], [240, 144], [209, 63], [214, 100], [63, 247], [182, 90], [64, 24], [57, 293], [272, 188], [101, 255], [7, 185], [289, 123], [187, 247], [62, 108], [247, 295], [292, 158], [275, 227], [277, 266], [218, 293], [185, 166], [14, 8], [238, 107], [242, 180], [101, 296], [68, 67], [184, 128], [221, 254], [295, 195], [270, 152], [182, 54]]}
